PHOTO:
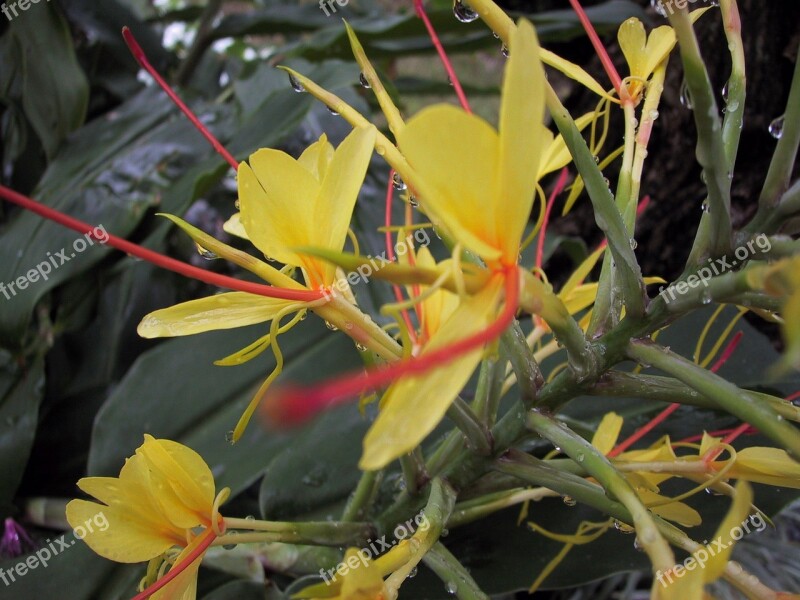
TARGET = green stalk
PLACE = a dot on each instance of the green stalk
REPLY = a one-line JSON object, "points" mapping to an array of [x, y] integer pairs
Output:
{"points": [[780, 169], [597, 465], [529, 375], [456, 578], [606, 213], [478, 508], [666, 389], [477, 433], [320, 533], [737, 83], [414, 473], [728, 396], [487, 392], [714, 236], [358, 504]]}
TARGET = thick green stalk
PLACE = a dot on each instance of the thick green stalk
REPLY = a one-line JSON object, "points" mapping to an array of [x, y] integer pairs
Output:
{"points": [[477, 433], [487, 392], [737, 83], [414, 473], [581, 451], [667, 389], [358, 504], [714, 236], [606, 213], [456, 578], [320, 533], [728, 396], [529, 375], [780, 169]]}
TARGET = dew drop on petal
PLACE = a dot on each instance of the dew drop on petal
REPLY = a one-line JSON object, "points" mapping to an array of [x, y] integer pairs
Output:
{"points": [[464, 13], [331, 326]]}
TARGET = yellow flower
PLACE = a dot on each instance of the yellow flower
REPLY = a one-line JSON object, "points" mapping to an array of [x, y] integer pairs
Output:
{"points": [[283, 201], [478, 182], [163, 493], [645, 53]]}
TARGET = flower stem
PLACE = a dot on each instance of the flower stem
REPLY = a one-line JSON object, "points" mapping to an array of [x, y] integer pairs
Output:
{"points": [[359, 502], [441, 561], [321, 533]]}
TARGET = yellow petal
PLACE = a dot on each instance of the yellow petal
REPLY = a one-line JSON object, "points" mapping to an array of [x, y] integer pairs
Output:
{"points": [[361, 582], [333, 210], [234, 226], [556, 154], [317, 157], [659, 44], [633, 41], [739, 511], [184, 586], [689, 586], [246, 354], [521, 131], [124, 538], [223, 311], [771, 461], [179, 468], [572, 71], [439, 306], [277, 196], [581, 273], [605, 438], [414, 405], [456, 154]]}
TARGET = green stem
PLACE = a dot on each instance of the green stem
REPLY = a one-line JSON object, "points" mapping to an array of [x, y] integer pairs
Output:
{"points": [[606, 213], [477, 433], [581, 451], [487, 392], [202, 40], [529, 375], [414, 472], [456, 578], [358, 504], [737, 83], [728, 396], [714, 236], [321, 533], [478, 508]]}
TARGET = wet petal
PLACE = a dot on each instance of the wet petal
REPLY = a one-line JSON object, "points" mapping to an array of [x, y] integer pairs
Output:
{"points": [[605, 438]]}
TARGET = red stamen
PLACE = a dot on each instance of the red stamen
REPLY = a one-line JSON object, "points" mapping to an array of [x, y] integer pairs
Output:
{"points": [[448, 66], [398, 293], [793, 397], [608, 64], [664, 414], [718, 433], [177, 569], [560, 184], [155, 258], [295, 405], [141, 58]]}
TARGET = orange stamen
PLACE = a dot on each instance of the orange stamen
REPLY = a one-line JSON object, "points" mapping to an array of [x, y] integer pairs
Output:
{"points": [[664, 414], [398, 293], [165, 262], [608, 64], [209, 537], [448, 66], [294, 405], [141, 58]]}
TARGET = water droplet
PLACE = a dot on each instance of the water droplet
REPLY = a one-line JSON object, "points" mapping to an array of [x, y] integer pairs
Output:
{"points": [[580, 456], [249, 518], [464, 13], [362, 79], [413, 202], [398, 183], [686, 96], [634, 244], [445, 532], [796, 402], [658, 7], [596, 159], [413, 572], [296, 85], [236, 204], [228, 546], [229, 437], [637, 545], [332, 111], [451, 587], [361, 347], [496, 35], [654, 114], [776, 127], [705, 298], [504, 50], [713, 2], [705, 207], [732, 106], [205, 253], [703, 177], [331, 326], [348, 325], [569, 501], [725, 92]]}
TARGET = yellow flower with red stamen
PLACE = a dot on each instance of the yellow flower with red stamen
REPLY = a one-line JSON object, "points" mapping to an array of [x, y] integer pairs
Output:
{"points": [[163, 494]]}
